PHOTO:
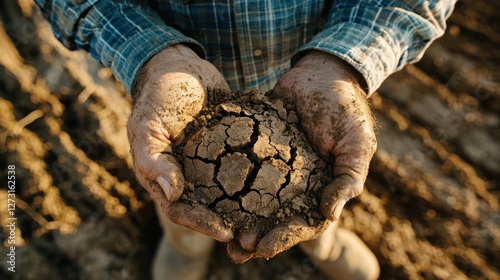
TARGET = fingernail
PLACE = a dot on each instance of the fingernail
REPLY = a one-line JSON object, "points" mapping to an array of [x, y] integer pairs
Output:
{"points": [[166, 187], [338, 208]]}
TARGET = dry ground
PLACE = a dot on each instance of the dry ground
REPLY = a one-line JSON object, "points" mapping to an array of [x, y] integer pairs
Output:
{"points": [[430, 209]]}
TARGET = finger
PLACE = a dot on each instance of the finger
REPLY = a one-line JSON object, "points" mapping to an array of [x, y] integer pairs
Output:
{"points": [[200, 219], [284, 237], [281, 89], [248, 239], [237, 253]]}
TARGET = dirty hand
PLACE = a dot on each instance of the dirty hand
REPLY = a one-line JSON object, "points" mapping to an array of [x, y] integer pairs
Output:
{"points": [[170, 90], [335, 115]]}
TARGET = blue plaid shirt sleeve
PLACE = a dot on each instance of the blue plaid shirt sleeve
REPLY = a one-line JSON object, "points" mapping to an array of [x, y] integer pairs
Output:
{"points": [[122, 35], [251, 42], [380, 37]]}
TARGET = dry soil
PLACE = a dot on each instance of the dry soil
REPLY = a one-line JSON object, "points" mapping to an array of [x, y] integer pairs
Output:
{"points": [[247, 159]]}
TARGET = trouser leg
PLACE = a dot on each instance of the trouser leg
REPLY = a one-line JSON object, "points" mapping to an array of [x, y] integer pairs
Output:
{"points": [[341, 254], [182, 252]]}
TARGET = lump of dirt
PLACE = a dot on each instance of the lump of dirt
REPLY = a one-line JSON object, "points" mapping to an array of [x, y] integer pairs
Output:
{"points": [[246, 158]]}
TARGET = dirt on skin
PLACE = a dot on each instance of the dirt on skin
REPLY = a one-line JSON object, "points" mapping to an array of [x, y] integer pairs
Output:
{"points": [[430, 208], [246, 158]]}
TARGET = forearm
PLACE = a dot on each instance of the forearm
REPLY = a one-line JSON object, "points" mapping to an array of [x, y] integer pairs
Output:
{"points": [[122, 35], [379, 38]]}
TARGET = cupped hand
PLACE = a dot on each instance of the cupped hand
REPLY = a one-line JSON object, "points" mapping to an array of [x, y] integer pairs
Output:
{"points": [[335, 115], [170, 90]]}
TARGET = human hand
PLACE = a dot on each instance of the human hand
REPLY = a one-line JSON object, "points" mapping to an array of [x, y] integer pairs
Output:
{"points": [[170, 90], [335, 115]]}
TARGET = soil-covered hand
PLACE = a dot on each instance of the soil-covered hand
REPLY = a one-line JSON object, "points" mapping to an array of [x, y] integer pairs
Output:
{"points": [[169, 92], [336, 116], [334, 113]]}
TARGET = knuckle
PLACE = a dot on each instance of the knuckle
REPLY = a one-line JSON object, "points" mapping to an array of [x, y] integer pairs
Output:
{"points": [[349, 179]]}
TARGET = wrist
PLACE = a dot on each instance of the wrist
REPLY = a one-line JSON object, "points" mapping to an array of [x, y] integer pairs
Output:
{"points": [[171, 53], [332, 66], [170, 59]]}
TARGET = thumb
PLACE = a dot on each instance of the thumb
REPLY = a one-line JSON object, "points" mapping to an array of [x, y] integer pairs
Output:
{"points": [[335, 196], [170, 177], [160, 174], [350, 172]]}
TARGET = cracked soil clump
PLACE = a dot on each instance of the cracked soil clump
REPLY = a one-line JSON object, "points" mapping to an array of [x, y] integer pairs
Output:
{"points": [[246, 158]]}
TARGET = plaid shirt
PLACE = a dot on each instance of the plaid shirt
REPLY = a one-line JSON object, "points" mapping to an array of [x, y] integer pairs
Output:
{"points": [[251, 42]]}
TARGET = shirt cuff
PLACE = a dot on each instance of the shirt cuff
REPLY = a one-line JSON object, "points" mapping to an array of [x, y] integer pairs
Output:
{"points": [[377, 43], [125, 36]]}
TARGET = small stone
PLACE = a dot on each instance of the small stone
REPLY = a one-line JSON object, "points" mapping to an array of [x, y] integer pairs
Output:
{"points": [[314, 201], [231, 107]]}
